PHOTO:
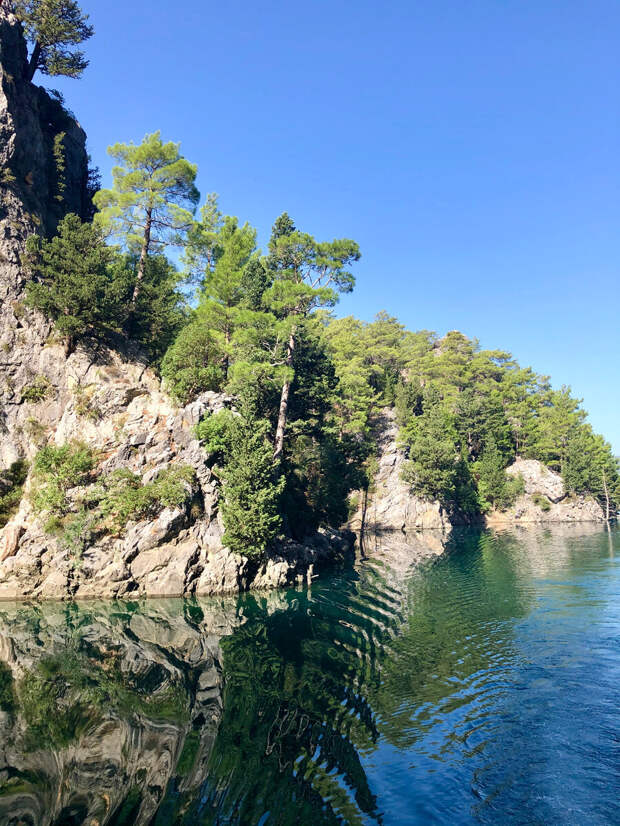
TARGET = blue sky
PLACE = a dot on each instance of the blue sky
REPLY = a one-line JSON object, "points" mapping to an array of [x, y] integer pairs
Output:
{"points": [[471, 148]]}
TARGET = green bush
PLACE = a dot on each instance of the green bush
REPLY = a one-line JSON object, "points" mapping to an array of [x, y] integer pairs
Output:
{"points": [[120, 496], [193, 364], [541, 501], [37, 391], [108, 505], [57, 470], [215, 431], [11, 489]]}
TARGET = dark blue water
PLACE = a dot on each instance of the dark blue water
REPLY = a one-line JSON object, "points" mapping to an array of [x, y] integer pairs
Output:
{"points": [[480, 687]]}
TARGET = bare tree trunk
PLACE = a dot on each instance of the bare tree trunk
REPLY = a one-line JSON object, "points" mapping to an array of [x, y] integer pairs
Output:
{"points": [[286, 390], [606, 490], [227, 338], [33, 64], [144, 252]]}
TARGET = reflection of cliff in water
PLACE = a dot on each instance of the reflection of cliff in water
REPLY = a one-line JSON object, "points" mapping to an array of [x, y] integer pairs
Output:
{"points": [[264, 709], [102, 705]]}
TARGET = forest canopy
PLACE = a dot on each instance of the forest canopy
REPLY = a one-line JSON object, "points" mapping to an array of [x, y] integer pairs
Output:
{"points": [[310, 388]]}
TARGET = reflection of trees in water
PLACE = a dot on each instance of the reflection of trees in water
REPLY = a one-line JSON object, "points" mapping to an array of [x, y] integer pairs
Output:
{"points": [[262, 709], [296, 717], [455, 631]]}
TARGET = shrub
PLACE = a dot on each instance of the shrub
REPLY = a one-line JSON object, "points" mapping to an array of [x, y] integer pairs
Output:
{"points": [[11, 489], [193, 364], [541, 501], [121, 496], [57, 470], [214, 432], [108, 505], [38, 390]]}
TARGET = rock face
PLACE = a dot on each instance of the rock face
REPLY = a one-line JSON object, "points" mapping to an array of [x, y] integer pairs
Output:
{"points": [[180, 551], [390, 504], [544, 499], [35, 192], [392, 508], [111, 401]]}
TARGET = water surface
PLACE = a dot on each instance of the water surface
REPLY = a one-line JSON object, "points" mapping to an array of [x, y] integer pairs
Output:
{"points": [[480, 687]]}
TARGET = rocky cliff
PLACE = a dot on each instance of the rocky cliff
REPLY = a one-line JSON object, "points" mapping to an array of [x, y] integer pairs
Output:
{"points": [[107, 399], [544, 499], [391, 506]]}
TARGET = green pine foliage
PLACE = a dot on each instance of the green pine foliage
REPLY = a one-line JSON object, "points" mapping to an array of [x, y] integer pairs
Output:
{"points": [[431, 437], [495, 488], [55, 28], [192, 364], [72, 279], [86, 287], [252, 484]]}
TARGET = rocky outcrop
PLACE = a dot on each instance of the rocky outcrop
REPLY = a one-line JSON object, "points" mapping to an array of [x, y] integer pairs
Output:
{"points": [[109, 399], [544, 499], [390, 504], [132, 424], [391, 507]]}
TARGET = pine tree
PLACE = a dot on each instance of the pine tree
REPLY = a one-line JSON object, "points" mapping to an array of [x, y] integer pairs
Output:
{"points": [[73, 279], [307, 275], [151, 204], [221, 301], [252, 483], [54, 28], [432, 465]]}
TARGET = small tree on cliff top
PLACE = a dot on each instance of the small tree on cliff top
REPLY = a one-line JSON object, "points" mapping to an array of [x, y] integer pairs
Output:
{"points": [[152, 201], [72, 277], [55, 28]]}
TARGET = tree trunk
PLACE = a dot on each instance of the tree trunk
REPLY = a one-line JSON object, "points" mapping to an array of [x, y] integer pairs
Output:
{"points": [[286, 390], [69, 346], [227, 338], [33, 64], [606, 491], [144, 252]]}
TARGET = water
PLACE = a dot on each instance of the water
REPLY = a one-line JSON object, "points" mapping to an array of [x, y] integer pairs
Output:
{"points": [[481, 688]]}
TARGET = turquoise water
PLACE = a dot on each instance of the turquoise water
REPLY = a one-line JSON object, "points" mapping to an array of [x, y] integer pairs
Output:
{"points": [[482, 687]]}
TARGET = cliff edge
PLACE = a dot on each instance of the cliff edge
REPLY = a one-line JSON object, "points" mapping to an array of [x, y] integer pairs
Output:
{"points": [[109, 401]]}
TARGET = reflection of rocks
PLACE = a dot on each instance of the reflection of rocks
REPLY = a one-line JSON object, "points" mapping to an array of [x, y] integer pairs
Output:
{"points": [[542, 550], [400, 552], [103, 706]]}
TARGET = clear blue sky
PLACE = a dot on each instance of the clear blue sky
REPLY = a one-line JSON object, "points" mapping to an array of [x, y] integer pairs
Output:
{"points": [[471, 148]]}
